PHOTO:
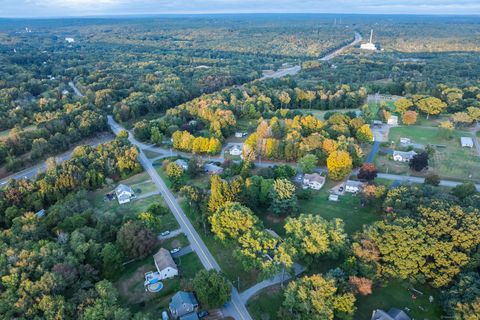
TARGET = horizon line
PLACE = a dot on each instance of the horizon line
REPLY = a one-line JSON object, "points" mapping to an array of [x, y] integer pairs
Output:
{"points": [[196, 13]]}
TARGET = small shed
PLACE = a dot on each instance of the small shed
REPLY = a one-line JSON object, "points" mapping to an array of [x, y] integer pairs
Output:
{"points": [[405, 141], [166, 267], [40, 213], [333, 197], [467, 142], [392, 120]]}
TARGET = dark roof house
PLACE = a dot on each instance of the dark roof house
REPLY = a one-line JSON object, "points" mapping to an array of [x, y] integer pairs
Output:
{"points": [[392, 314], [183, 303]]}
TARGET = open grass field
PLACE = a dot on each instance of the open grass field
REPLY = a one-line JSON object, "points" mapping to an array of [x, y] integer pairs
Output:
{"points": [[398, 294], [450, 161], [348, 208], [265, 304]]}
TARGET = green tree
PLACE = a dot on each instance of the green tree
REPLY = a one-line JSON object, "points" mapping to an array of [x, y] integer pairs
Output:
{"points": [[307, 163], [135, 240], [212, 288]]}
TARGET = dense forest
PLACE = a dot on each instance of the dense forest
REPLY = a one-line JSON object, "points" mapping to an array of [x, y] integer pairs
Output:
{"points": [[191, 83]]}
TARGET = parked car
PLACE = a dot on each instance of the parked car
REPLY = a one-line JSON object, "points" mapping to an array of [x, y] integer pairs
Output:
{"points": [[202, 314], [340, 189], [175, 250], [165, 233]]}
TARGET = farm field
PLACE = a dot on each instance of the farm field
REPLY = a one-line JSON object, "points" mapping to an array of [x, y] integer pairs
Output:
{"points": [[450, 160]]}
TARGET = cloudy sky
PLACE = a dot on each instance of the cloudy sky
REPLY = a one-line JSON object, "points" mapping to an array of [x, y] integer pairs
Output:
{"points": [[48, 8]]}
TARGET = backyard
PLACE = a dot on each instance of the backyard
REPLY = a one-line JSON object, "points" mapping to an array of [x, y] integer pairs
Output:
{"points": [[142, 185], [132, 291], [450, 160]]}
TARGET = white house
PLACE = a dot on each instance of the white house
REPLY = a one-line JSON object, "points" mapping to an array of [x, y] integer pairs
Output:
{"points": [[166, 267], [238, 134], [467, 142], [353, 186], [235, 150], [70, 40], [182, 163], [124, 193], [313, 181], [402, 156], [392, 120]]}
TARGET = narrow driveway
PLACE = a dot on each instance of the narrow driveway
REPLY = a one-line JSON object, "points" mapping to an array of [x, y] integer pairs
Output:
{"points": [[373, 152], [278, 278]]}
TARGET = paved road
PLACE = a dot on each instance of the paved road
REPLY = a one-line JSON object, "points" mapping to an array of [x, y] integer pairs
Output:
{"points": [[373, 152], [235, 307], [75, 89], [282, 73], [250, 292], [396, 177], [32, 172], [296, 69], [358, 38]]}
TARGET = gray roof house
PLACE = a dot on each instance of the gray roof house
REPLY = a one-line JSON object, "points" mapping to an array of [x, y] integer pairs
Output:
{"points": [[392, 314], [182, 163], [211, 168], [166, 267], [124, 193], [183, 303]]}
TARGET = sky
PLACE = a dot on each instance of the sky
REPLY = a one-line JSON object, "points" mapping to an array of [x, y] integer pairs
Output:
{"points": [[55, 8]]}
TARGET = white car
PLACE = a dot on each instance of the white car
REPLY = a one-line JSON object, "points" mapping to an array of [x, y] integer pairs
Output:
{"points": [[165, 233], [174, 250]]}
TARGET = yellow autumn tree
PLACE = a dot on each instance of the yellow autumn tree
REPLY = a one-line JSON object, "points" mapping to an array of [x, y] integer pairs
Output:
{"points": [[364, 134], [329, 145], [339, 164]]}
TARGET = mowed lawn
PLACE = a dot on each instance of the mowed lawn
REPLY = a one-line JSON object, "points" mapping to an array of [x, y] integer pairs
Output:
{"points": [[140, 182], [266, 304], [348, 208], [451, 161], [400, 294]]}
